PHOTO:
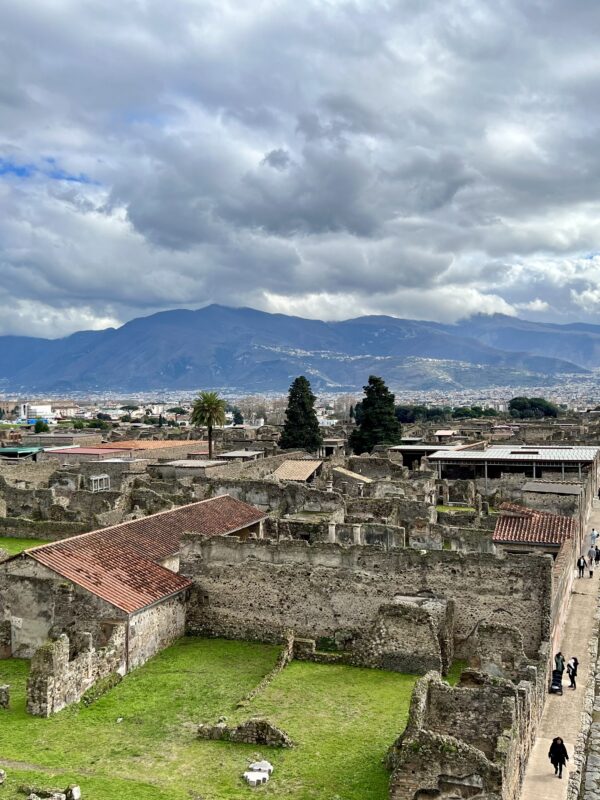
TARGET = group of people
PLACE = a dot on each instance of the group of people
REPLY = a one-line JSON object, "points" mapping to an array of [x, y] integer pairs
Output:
{"points": [[593, 556], [572, 665], [558, 752]]}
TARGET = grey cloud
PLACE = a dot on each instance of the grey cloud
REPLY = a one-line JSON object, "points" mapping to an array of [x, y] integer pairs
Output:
{"points": [[417, 158]]}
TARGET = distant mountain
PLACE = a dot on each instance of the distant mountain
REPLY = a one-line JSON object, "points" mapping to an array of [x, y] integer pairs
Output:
{"points": [[578, 342], [241, 349]]}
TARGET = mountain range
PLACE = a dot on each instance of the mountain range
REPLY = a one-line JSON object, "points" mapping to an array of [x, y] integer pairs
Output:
{"points": [[245, 350]]}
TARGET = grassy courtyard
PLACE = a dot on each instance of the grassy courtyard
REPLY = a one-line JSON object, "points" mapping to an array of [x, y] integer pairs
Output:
{"points": [[341, 718], [14, 545]]}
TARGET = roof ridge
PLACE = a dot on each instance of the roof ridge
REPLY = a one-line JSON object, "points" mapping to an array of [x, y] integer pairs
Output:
{"points": [[49, 545]]}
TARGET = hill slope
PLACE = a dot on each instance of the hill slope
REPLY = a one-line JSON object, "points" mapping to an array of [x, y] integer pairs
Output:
{"points": [[242, 349]]}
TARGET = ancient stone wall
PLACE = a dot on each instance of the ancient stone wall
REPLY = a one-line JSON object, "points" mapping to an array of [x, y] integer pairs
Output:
{"points": [[58, 677], [35, 600], [279, 498], [469, 740], [32, 474], [154, 628], [256, 589], [370, 533]]}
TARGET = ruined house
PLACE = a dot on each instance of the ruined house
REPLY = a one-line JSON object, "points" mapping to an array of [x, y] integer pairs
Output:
{"points": [[123, 574]]}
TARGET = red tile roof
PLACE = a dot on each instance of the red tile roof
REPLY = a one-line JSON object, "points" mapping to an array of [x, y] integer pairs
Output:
{"points": [[521, 525], [117, 574], [118, 563]]}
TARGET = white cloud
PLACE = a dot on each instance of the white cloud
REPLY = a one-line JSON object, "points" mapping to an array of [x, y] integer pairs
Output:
{"points": [[325, 159]]}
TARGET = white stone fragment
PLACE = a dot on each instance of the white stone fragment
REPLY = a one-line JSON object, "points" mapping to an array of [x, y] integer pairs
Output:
{"points": [[261, 766], [256, 778]]}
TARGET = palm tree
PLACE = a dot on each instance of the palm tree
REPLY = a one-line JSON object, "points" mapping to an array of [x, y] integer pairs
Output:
{"points": [[208, 410]]}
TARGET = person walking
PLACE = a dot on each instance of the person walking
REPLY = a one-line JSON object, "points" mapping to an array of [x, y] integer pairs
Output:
{"points": [[594, 537], [597, 558], [559, 662], [558, 755], [572, 665], [581, 565], [591, 555]]}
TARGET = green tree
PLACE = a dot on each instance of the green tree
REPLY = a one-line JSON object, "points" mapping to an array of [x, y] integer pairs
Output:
{"points": [[79, 425], [129, 408], [238, 418], [208, 410], [301, 427], [41, 426], [378, 423], [351, 414], [532, 408]]}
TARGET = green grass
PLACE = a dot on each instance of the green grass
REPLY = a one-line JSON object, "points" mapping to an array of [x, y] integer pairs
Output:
{"points": [[15, 545], [341, 718], [455, 671]]}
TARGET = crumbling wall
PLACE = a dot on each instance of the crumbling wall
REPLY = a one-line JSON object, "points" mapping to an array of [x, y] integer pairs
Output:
{"points": [[471, 740], [57, 680], [256, 589], [412, 634], [279, 498]]}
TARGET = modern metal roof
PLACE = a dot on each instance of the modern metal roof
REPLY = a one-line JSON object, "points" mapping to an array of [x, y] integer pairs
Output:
{"points": [[545, 487], [424, 446], [193, 463], [241, 453], [531, 453]]}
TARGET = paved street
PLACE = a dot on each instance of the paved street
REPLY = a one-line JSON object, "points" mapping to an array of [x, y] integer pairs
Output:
{"points": [[562, 715]]}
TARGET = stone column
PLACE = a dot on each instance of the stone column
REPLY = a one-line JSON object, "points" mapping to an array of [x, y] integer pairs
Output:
{"points": [[357, 534], [331, 533]]}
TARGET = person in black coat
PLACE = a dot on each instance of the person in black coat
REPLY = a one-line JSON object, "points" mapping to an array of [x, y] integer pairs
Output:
{"points": [[558, 755], [572, 665]]}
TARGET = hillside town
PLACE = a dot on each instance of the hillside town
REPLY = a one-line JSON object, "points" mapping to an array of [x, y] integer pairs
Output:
{"points": [[440, 551]]}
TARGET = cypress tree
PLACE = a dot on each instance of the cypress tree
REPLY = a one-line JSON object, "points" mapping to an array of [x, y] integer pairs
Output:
{"points": [[301, 427], [377, 423]]}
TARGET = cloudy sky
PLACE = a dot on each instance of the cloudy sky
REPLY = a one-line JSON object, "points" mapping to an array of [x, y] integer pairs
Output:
{"points": [[323, 158]]}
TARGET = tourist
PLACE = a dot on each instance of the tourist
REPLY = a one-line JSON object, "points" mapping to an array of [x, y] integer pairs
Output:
{"points": [[558, 755], [597, 558], [591, 556], [572, 665], [581, 565], [594, 537], [559, 662]]}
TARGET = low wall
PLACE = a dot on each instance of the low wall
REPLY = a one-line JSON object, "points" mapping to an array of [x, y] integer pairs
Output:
{"points": [[57, 680]]}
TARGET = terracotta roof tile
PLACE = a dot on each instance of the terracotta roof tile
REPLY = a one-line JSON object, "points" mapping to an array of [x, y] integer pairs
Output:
{"points": [[299, 470], [119, 575], [153, 444], [118, 563], [522, 525]]}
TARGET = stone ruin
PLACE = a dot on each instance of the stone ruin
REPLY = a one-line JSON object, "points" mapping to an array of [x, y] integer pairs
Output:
{"points": [[468, 741], [254, 731], [58, 678]]}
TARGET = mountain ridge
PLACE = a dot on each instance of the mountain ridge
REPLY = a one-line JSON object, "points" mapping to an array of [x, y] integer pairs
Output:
{"points": [[245, 349]]}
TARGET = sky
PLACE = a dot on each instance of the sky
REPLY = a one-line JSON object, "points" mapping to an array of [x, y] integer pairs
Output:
{"points": [[328, 159]]}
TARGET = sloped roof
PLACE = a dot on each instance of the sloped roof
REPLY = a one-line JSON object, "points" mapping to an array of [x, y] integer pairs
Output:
{"points": [[299, 470], [152, 444], [522, 525], [118, 574], [119, 564]]}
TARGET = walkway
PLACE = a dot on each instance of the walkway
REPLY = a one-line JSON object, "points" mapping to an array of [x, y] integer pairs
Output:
{"points": [[562, 715]]}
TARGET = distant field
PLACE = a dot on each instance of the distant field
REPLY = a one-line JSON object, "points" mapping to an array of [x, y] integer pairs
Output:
{"points": [[15, 546], [341, 718]]}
